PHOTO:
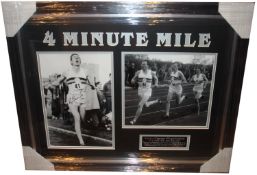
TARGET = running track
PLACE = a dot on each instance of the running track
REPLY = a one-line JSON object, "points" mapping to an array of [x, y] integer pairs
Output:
{"points": [[183, 114]]}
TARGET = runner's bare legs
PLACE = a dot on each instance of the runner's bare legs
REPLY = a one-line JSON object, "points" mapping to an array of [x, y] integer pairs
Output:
{"points": [[197, 97], [198, 107], [150, 103], [82, 111], [180, 98], [76, 116], [141, 104], [169, 97]]}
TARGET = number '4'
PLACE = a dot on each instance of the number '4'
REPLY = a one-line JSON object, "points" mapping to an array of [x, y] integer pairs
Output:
{"points": [[49, 38]]}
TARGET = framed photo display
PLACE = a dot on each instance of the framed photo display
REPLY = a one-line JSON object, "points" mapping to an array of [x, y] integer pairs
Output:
{"points": [[127, 86]]}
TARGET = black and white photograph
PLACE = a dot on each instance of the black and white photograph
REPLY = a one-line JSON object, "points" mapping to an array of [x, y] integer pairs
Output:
{"points": [[167, 90], [77, 99]]}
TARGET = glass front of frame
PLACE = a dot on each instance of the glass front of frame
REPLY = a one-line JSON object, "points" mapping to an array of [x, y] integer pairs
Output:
{"points": [[99, 88]]}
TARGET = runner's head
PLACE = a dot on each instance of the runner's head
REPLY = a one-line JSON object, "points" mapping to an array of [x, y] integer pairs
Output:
{"points": [[169, 70], [144, 65], [198, 71], [174, 67], [75, 60]]}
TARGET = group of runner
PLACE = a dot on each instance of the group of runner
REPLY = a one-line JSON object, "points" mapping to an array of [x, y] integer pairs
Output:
{"points": [[174, 79]]}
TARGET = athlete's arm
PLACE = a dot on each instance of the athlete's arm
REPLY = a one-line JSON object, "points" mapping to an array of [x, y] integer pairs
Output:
{"points": [[205, 78], [182, 77], [205, 81], [90, 79], [192, 79], [59, 80], [133, 80], [166, 79], [91, 82], [155, 79]]}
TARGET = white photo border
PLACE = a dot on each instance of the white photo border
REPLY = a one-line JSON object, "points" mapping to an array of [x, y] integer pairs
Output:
{"points": [[206, 127], [49, 146]]}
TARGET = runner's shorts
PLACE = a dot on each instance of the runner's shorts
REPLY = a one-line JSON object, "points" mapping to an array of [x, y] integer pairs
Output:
{"points": [[145, 92], [176, 89], [199, 90]]}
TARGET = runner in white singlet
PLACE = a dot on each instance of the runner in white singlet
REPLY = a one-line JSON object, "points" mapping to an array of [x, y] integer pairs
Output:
{"points": [[200, 81], [174, 78], [144, 78], [80, 93]]}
